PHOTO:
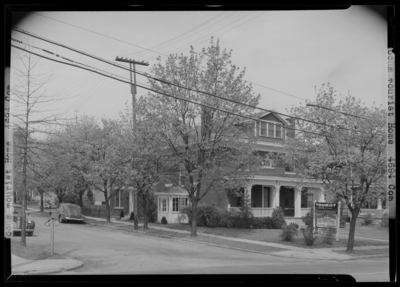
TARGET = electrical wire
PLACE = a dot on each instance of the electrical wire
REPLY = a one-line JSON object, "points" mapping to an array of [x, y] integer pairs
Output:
{"points": [[183, 34], [160, 92], [179, 49], [170, 83]]}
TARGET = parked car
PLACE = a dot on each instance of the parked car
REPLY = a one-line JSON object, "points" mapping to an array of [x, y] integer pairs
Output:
{"points": [[69, 212], [17, 227]]}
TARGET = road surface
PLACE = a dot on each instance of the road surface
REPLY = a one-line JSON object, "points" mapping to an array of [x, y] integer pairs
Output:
{"points": [[105, 250]]}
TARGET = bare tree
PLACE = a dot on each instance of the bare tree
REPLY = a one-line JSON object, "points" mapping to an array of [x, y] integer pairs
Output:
{"points": [[28, 88]]}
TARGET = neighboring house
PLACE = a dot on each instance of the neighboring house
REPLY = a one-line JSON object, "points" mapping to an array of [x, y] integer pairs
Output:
{"points": [[170, 200], [123, 200]]}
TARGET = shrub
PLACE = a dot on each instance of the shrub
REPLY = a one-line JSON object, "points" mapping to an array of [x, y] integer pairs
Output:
{"points": [[368, 220], [122, 214], [206, 215], [329, 235], [277, 218], [164, 220], [186, 211], [309, 236], [262, 223], [309, 218], [384, 220], [239, 217], [288, 232], [294, 224], [95, 210]]}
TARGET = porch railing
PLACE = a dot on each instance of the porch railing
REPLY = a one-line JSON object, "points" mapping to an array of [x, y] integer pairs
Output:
{"points": [[262, 211]]}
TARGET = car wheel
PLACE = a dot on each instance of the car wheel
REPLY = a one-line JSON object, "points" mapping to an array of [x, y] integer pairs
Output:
{"points": [[30, 233], [60, 219]]}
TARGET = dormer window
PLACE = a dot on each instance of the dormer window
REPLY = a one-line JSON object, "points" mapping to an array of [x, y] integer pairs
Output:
{"points": [[271, 129]]}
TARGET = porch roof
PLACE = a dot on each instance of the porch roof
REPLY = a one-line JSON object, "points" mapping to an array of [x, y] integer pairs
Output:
{"points": [[175, 190]]}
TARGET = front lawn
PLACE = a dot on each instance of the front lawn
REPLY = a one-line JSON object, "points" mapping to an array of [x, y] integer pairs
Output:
{"points": [[32, 251], [272, 236]]}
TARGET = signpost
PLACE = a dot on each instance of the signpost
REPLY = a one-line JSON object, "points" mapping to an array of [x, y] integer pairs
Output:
{"points": [[327, 214], [50, 222]]}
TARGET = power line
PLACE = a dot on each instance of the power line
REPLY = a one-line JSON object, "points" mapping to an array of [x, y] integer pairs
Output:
{"points": [[100, 34], [162, 93], [177, 49], [170, 83], [150, 50], [177, 37], [116, 65]]}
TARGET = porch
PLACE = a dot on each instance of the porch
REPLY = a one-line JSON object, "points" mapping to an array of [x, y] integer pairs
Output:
{"points": [[295, 200]]}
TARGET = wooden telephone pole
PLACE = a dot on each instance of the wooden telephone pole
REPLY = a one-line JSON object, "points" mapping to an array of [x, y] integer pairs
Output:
{"points": [[133, 92]]}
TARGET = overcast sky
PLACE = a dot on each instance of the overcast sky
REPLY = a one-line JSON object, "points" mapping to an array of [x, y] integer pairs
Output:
{"points": [[285, 52]]}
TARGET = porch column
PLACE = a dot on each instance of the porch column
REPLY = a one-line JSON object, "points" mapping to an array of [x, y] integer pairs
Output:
{"points": [[130, 190], [297, 201], [275, 195], [321, 191], [170, 209], [379, 203]]}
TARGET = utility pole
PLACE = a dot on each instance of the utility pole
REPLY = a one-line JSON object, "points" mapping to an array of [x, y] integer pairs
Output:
{"points": [[133, 92]]}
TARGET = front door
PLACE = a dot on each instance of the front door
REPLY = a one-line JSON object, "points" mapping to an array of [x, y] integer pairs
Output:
{"points": [[286, 201]]}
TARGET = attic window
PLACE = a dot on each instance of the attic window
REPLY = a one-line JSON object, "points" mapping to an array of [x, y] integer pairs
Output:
{"points": [[271, 129]]}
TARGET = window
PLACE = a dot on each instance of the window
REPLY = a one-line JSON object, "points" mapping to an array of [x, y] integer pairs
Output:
{"points": [[304, 198], [271, 129], [118, 199], [289, 169], [278, 128], [163, 204], [175, 204], [310, 199], [267, 162], [178, 203], [263, 129]]}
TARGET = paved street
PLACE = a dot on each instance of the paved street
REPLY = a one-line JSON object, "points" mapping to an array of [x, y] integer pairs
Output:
{"points": [[110, 251]]}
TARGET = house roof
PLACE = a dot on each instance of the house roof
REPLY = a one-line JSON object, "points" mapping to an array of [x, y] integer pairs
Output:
{"points": [[172, 190], [263, 114]]}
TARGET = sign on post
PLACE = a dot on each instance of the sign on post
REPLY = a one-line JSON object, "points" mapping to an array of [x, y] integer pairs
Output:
{"points": [[327, 214]]}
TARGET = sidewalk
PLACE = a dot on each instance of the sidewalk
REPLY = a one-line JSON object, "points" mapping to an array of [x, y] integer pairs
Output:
{"points": [[20, 266], [289, 251]]}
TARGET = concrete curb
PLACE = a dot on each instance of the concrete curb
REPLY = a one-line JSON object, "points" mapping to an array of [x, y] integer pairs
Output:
{"points": [[37, 267]]}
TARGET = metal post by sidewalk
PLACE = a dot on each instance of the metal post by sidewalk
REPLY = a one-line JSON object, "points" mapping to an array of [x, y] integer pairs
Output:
{"points": [[50, 222], [338, 221]]}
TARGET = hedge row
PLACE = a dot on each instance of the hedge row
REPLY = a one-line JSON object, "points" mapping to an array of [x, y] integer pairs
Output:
{"points": [[95, 210], [214, 216]]}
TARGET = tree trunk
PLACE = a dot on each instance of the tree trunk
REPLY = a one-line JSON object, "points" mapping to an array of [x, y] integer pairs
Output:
{"points": [[107, 206], [41, 202], [350, 242], [144, 213], [136, 208], [81, 198], [193, 231]]}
